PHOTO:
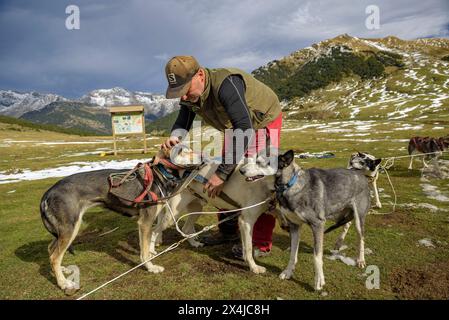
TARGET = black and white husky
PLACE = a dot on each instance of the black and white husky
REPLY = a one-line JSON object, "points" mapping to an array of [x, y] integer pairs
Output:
{"points": [[370, 166], [432, 148]]}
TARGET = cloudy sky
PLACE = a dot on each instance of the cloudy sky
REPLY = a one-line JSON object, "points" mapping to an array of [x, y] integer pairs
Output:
{"points": [[127, 43]]}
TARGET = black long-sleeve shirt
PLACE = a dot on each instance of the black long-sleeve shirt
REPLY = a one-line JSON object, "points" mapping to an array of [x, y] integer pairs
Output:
{"points": [[232, 96]]}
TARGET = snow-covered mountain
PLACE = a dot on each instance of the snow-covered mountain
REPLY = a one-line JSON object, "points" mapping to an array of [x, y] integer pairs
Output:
{"points": [[155, 105], [344, 77], [15, 104], [353, 78]]}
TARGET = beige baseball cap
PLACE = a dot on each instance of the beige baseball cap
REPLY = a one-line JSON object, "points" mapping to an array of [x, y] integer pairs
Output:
{"points": [[179, 72]]}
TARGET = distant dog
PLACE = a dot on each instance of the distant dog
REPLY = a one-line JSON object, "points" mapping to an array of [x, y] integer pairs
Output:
{"points": [[427, 145], [370, 166], [312, 196]]}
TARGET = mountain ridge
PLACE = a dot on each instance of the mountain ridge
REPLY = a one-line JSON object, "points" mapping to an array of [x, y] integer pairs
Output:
{"points": [[399, 78], [345, 77]]}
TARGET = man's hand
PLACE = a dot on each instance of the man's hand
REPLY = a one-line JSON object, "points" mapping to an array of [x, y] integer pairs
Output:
{"points": [[169, 143], [213, 186], [164, 152]]}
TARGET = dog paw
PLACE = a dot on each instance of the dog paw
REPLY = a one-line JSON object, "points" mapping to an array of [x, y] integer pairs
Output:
{"points": [[153, 252], [69, 287], [154, 268], [259, 269], [286, 274], [70, 292], [379, 205], [319, 283], [361, 263]]}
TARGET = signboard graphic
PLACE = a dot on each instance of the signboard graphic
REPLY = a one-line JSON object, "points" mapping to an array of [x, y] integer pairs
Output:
{"points": [[127, 123]]}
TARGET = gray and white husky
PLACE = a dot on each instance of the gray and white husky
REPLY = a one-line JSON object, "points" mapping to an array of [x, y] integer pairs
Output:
{"points": [[313, 196]]}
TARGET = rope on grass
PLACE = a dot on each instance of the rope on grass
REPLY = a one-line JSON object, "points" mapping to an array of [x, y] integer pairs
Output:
{"points": [[108, 232], [389, 162], [176, 244]]}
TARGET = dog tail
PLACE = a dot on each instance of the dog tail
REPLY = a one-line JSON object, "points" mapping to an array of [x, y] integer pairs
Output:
{"points": [[49, 221], [50, 225], [340, 223], [411, 145], [46, 217]]}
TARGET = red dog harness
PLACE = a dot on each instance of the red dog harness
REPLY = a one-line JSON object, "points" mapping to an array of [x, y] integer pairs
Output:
{"points": [[147, 182]]}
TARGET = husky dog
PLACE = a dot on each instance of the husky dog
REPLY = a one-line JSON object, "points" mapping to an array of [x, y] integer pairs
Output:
{"points": [[63, 205], [315, 195], [370, 166], [427, 145], [243, 192]]}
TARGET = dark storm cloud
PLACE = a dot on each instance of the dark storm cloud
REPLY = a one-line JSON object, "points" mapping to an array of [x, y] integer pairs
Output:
{"points": [[126, 43]]}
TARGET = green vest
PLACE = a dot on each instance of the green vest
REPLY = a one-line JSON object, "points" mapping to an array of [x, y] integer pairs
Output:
{"points": [[262, 102]]}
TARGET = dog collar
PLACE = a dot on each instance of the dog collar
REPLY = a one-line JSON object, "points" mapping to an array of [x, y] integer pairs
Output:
{"points": [[285, 186], [167, 175]]}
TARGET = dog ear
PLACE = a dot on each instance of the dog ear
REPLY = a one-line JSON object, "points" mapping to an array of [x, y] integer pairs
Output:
{"points": [[285, 159], [372, 164], [360, 154], [289, 156]]}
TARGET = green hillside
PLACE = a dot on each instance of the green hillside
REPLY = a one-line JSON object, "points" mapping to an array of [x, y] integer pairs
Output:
{"points": [[352, 78], [341, 61], [19, 124], [162, 125], [73, 115]]}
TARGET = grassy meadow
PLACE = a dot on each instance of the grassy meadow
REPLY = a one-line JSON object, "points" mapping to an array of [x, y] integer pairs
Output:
{"points": [[408, 270]]}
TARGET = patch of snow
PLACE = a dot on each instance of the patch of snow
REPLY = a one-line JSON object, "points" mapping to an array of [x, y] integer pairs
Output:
{"points": [[365, 140], [409, 127], [356, 134], [426, 243], [56, 142], [432, 192], [63, 171], [303, 127], [332, 130], [426, 206], [346, 260], [402, 113]]}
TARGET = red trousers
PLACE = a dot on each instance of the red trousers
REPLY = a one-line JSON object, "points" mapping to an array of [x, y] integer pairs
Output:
{"points": [[263, 228]]}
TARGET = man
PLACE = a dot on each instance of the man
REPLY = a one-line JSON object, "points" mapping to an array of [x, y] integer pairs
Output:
{"points": [[226, 98]]}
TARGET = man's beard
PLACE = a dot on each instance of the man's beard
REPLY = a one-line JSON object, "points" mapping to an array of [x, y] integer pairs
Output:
{"points": [[193, 99]]}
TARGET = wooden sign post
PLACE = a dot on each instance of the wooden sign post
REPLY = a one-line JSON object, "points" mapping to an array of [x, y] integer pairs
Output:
{"points": [[128, 121]]}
